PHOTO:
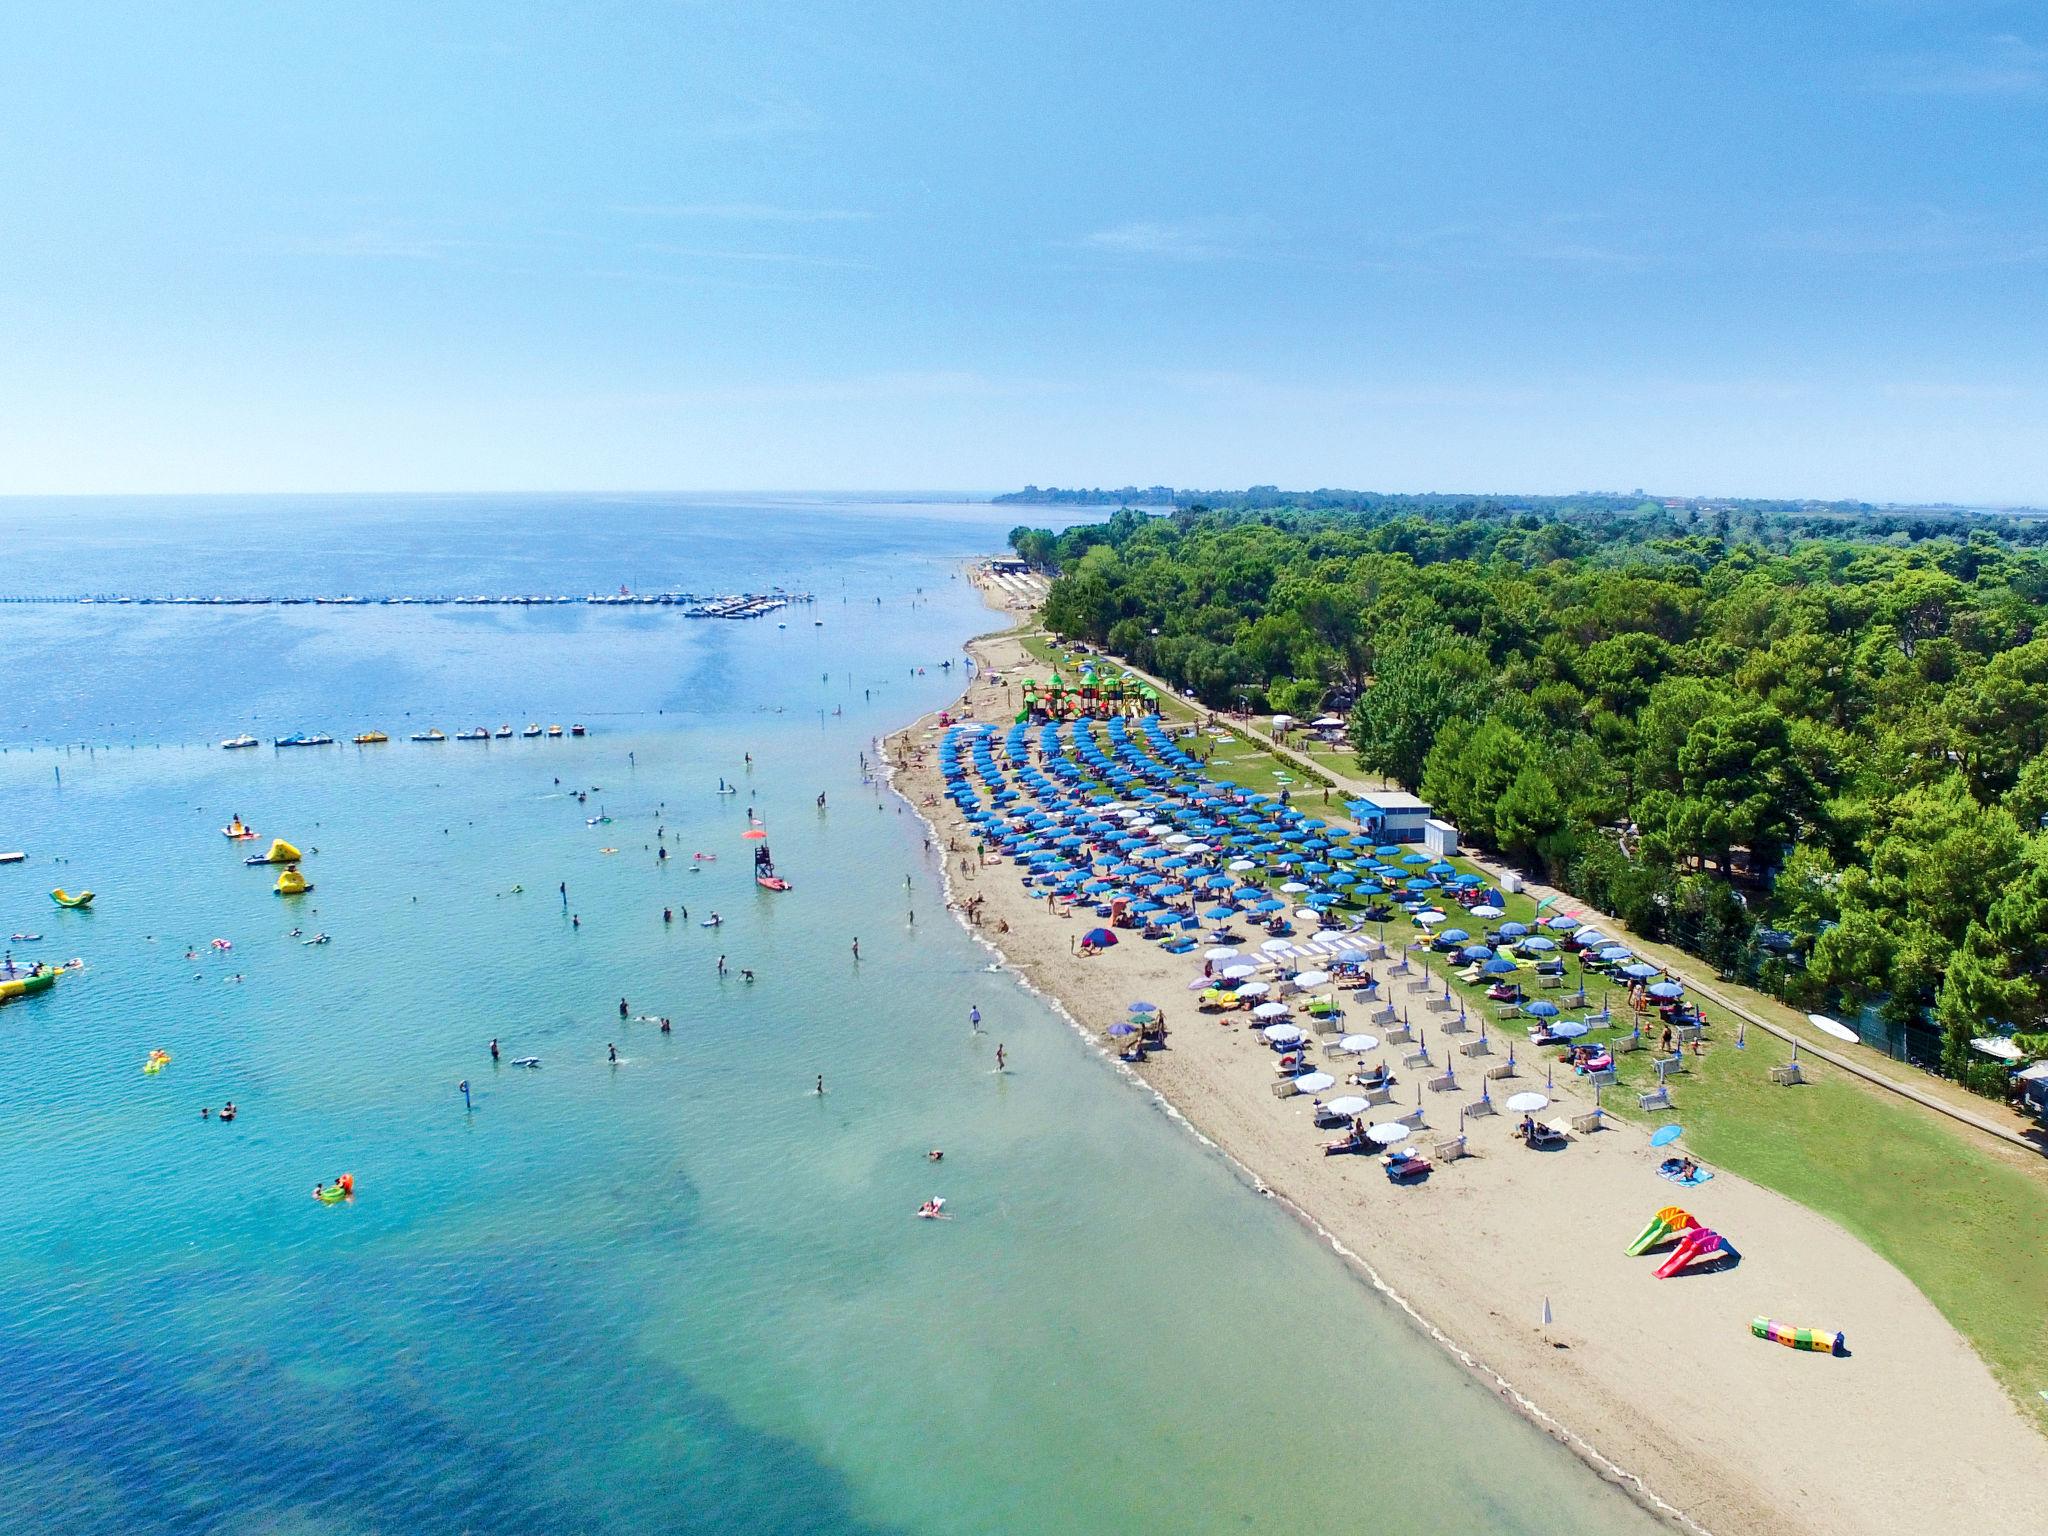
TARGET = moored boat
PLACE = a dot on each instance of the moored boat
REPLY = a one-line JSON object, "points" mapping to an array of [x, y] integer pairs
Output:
{"points": [[504, 733], [554, 730], [234, 742], [478, 734], [577, 730], [368, 738], [431, 733], [305, 739], [533, 729]]}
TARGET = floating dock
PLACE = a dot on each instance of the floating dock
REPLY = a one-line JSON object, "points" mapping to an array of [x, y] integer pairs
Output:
{"points": [[693, 605]]}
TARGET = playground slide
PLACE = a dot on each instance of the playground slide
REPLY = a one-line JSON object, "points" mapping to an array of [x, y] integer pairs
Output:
{"points": [[1699, 1244], [1666, 1223]]}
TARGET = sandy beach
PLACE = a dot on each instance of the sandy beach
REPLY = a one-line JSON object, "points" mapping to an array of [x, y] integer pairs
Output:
{"points": [[1658, 1383]]}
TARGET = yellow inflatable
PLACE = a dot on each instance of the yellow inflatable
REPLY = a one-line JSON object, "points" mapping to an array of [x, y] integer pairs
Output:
{"points": [[63, 898], [156, 1062], [281, 852], [292, 883]]}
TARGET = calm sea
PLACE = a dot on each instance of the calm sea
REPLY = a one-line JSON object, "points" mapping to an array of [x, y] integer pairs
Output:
{"points": [[678, 1293]]}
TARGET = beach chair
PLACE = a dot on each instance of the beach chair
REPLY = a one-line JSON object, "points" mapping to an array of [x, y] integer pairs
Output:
{"points": [[1550, 1133], [1659, 1099], [1417, 1058], [1788, 1075], [1378, 1096], [1549, 982], [1453, 1026], [1441, 1004], [1499, 1070], [1591, 1120], [1449, 1149], [1506, 1010], [1626, 1044], [1478, 1107], [1413, 1117], [1687, 1033], [1420, 984], [1668, 1065], [1480, 1047], [1285, 1088], [1443, 1082], [1605, 1077], [1387, 1019]]}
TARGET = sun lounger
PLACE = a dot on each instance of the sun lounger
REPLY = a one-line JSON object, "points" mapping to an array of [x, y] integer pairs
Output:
{"points": [[1449, 1149], [1401, 1166], [1382, 1094], [1687, 1033], [1667, 1065], [1591, 1120], [1443, 1082], [1626, 1044], [1560, 1128], [1499, 1070], [1480, 1047], [1506, 1010], [1441, 1004], [1450, 1026], [1413, 1117], [1788, 1075], [1480, 1107], [1285, 1088], [1417, 1058], [1661, 1099], [1605, 1077], [1396, 1034]]}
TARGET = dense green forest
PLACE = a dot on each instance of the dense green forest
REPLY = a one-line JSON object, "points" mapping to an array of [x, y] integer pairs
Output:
{"points": [[1809, 754]]}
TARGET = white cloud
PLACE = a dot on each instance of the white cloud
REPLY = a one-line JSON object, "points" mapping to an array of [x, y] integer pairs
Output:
{"points": [[1994, 66]]}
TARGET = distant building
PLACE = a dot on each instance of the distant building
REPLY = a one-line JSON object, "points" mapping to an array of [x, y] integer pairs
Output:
{"points": [[1008, 565], [1439, 838]]}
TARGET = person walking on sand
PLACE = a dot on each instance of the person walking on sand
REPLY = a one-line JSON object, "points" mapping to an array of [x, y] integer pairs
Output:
{"points": [[974, 1018], [999, 1058]]}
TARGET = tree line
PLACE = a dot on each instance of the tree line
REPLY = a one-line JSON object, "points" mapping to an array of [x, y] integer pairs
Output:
{"points": [[1805, 748]]}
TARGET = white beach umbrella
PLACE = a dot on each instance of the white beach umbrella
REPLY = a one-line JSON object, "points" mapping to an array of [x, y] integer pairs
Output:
{"points": [[1430, 915], [1489, 910], [1351, 1104], [1527, 1103], [1239, 972], [1281, 1034], [1311, 978], [1196, 848], [1314, 1082], [1293, 888], [1239, 866], [1220, 952], [1387, 1132], [1308, 915], [1270, 1011], [1277, 947], [1254, 989], [1180, 837], [1357, 1045]]}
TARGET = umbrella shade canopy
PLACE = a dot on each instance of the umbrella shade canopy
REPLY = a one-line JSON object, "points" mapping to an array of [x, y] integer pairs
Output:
{"points": [[1387, 1132], [1488, 910], [1359, 1043], [1664, 1135], [1277, 947], [1513, 930], [1527, 1103], [1143, 1008], [1294, 887], [1567, 1031], [1282, 1034], [1500, 965], [1220, 952], [1639, 971], [1455, 935], [1121, 1029], [1254, 989], [1239, 972], [1270, 1011], [1101, 938], [1428, 916], [1311, 978], [1539, 944], [1350, 1104], [1241, 865], [1542, 1008], [1314, 1082], [1561, 924], [1666, 989]]}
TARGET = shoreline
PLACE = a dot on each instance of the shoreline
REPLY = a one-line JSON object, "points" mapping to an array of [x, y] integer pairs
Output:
{"points": [[1727, 1474]]}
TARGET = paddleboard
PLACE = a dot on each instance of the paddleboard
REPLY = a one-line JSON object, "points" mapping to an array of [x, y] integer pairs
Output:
{"points": [[1840, 1031]]}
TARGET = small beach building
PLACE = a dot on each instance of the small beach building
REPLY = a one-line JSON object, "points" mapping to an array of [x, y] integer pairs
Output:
{"points": [[1392, 815], [1439, 837]]}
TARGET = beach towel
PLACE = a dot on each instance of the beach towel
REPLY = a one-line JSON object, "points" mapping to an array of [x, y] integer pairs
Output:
{"points": [[1668, 1169]]}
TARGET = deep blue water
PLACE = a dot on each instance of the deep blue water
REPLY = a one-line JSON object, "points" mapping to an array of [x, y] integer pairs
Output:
{"points": [[679, 1293]]}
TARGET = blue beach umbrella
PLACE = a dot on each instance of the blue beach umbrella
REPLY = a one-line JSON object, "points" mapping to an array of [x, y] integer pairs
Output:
{"points": [[1666, 989], [1639, 971], [1542, 1008], [1664, 1135]]}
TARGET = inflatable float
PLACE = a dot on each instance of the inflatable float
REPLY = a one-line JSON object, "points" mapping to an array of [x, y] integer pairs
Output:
{"points": [[236, 832], [341, 1189], [26, 986], [1818, 1340], [934, 1210], [292, 883], [157, 1061], [64, 898], [281, 852]]}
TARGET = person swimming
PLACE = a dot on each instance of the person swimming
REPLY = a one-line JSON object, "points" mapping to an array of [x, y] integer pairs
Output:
{"points": [[613, 1052]]}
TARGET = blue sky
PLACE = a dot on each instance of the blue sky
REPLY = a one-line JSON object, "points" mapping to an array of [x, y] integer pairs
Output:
{"points": [[1774, 249]]}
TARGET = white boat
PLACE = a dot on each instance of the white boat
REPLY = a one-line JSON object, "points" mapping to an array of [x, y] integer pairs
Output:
{"points": [[234, 742], [479, 734], [504, 733], [531, 730]]}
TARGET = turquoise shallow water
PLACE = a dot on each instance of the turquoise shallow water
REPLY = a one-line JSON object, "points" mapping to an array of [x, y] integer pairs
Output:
{"points": [[678, 1294]]}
